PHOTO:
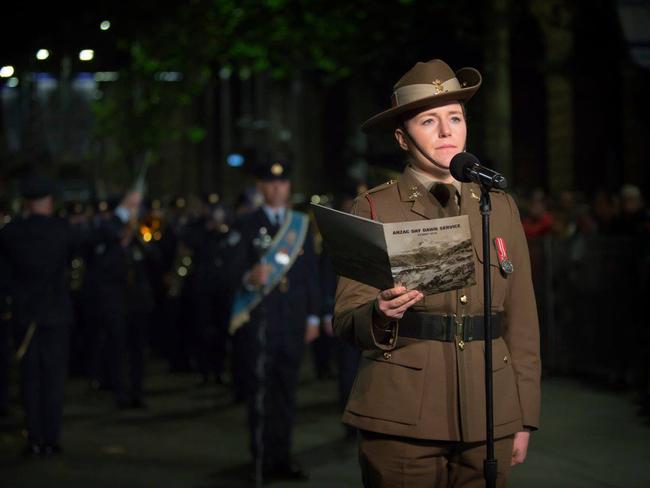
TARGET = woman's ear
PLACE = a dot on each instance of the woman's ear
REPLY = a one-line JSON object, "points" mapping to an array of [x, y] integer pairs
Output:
{"points": [[400, 137]]}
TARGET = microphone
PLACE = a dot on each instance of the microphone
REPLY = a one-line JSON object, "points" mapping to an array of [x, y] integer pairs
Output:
{"points": [[466, 167]]}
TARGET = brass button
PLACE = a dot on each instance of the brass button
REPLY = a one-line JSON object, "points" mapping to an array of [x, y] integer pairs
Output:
{"points": [[505, 359], [464, 299], [461, 345], [387, 355]]}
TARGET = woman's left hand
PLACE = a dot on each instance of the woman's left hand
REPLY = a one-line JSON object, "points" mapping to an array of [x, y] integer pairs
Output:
{"points": [[520, 447]]}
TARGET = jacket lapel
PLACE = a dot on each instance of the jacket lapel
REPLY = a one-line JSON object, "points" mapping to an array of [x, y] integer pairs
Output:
{"points": [[417, 198]]}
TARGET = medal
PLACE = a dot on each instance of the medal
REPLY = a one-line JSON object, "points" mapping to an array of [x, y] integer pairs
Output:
{"points": [[282, 257], [504, 263]]}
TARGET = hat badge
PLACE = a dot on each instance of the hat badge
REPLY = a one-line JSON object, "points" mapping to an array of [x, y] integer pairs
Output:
{"points": [[277, 169], [437, 87]]}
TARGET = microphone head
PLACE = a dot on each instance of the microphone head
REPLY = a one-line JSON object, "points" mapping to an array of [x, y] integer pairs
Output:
{"points": [[460, 163]]}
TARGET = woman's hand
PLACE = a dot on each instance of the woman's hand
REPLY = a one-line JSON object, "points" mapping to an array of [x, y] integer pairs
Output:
{"points": [[392, 303], [520, 447]]}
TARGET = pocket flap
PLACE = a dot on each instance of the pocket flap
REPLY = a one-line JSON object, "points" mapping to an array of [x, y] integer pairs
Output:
{"points": [[413, 356]]}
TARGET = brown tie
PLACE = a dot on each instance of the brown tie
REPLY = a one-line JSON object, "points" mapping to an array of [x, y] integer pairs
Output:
{"points": [[445, 193]]}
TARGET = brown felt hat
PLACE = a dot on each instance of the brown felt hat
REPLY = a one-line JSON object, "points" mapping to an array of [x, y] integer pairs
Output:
{"points": [[426, 84]]}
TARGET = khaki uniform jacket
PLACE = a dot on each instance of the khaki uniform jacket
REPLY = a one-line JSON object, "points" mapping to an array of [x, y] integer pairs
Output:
{"points": [[435, 390]]}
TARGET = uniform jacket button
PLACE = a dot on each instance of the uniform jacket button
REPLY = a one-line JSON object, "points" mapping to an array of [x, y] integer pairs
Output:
{"points": [[387, 355], [464, 300]]}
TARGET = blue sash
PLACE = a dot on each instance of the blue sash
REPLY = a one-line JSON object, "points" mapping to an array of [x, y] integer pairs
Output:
{"points": [[281, 254]]}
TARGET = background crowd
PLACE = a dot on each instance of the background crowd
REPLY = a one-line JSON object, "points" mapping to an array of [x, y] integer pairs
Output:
{"points": [[147, 281]]}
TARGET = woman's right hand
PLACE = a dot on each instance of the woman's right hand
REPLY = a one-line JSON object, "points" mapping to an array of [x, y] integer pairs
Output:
{"points": [[393, 302]]}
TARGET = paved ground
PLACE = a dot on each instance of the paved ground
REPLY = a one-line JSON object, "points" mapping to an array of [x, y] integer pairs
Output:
{"points": [[195, 437]]}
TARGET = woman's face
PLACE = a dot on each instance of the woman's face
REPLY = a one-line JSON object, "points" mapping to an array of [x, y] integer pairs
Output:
{"points": [[440, 132]]}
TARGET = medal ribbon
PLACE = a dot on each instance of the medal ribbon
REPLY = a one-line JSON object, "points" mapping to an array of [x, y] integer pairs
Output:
{"points": [[502, 253]]}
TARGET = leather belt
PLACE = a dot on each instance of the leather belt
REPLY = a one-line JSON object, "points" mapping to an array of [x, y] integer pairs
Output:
{"points": [[447, 328]]}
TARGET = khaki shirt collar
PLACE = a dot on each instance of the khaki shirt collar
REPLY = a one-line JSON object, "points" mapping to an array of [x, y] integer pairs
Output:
{"points": [[426, 180]]}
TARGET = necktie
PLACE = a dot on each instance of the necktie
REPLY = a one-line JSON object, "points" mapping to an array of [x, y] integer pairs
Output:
{"points": [[445, 193]]}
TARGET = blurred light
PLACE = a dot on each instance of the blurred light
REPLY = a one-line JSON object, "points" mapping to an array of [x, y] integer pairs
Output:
{"points": [[225, 72], [315, 199], [157, 236], [42, 54], [105, 25], [106, 76], [244, 74], [213, 198], [6, 72], [147, 236], [182, 271], [12, 82], [187, 261], [180, 202], [86, 55], [235, 160], [155, 204], [168, 76]]}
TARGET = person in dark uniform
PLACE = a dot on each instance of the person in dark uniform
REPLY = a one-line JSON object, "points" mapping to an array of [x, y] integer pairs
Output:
{"points": [[346, 356], [139, 308], [5, 318], [275, 262], [37, 250], [209, 238], [108, 287]]}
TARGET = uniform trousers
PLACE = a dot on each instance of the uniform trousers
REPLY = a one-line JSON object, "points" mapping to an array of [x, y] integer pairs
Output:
{"points": [[400, 462], [42, 377], [282, 360]]}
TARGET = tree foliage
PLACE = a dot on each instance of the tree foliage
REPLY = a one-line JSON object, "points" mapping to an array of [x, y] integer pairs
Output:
{"points": [[326, 40]]}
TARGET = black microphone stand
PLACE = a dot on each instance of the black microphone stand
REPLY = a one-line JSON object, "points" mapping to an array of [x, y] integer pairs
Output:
{"points": [[490, 463], [261, 243]]}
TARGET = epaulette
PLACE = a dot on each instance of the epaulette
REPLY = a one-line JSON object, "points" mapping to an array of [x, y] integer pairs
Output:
{"points": [[383, 186]]}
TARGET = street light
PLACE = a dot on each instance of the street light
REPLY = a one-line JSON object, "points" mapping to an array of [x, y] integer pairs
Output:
{"points": [[6, 71], [86, 55], [105, 25], [42, 54]]}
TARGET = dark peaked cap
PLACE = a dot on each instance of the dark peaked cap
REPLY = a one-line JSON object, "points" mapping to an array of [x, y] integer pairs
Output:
{"points": [[274, 169], [35, 186]]}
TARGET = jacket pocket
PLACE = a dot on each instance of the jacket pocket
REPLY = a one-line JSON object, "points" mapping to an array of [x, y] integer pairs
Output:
{"points": [[506, 394], [390, 384]]}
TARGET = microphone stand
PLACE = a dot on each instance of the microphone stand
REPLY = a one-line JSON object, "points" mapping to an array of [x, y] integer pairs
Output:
{"points": [[261, 244], [490, 463]]}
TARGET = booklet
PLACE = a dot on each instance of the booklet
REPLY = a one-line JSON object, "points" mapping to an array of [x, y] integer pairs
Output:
{"points": [[429, 255]]}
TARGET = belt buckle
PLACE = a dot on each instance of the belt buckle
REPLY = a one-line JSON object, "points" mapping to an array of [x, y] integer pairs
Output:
{"points": [[460, 326], [469, 327]]}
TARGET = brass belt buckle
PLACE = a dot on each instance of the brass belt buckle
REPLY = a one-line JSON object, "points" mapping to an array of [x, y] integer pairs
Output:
{"points": [[459, 332]]}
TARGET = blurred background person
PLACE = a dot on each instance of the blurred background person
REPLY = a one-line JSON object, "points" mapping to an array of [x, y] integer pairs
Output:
{"points": [[271, 337], [37, 249]]}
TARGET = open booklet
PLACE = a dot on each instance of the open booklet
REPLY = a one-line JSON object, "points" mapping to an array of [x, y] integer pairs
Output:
{"points": [[429, 255]]}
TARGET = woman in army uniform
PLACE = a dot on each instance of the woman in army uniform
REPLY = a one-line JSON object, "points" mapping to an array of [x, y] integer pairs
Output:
{"points": [[419, 395]]}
